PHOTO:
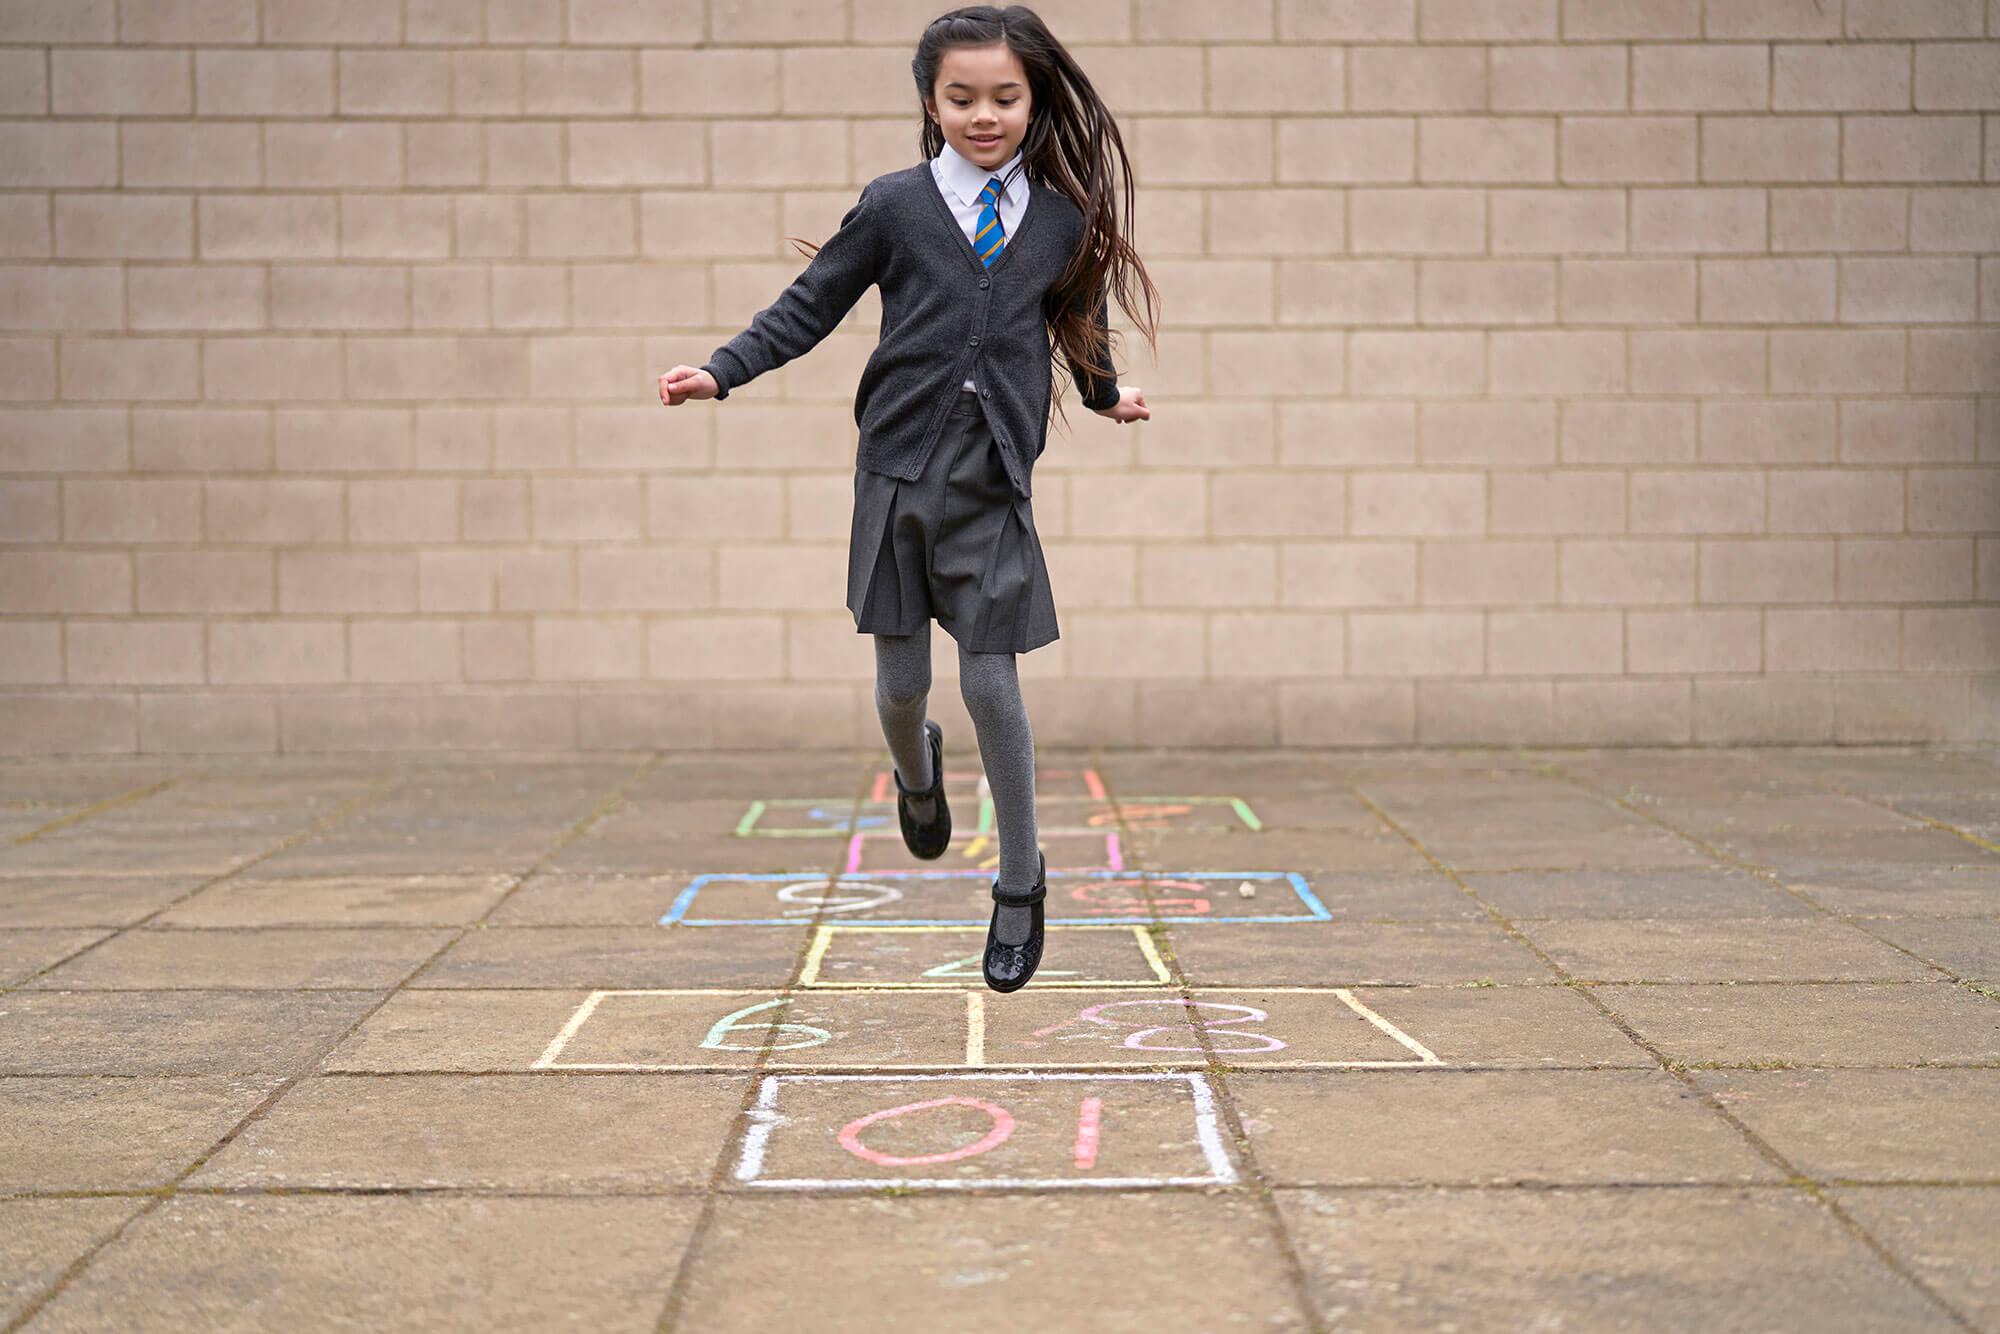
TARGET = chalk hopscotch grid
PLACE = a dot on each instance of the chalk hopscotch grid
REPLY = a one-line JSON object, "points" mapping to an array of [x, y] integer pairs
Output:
{"points": [[824, 935], [1316, 911], [839, 821], [975, 1036], [764, 1118]]}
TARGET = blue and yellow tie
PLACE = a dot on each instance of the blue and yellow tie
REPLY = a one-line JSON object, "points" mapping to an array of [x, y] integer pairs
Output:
{"points": [[991, 238]]}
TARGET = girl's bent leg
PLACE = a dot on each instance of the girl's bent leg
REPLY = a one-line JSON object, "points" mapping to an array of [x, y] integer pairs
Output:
{"points": [[902, 687], [992, 691]]}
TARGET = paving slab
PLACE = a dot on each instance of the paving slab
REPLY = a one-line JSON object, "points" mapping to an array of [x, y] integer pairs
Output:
{"points": [[270, 958], [53, 899], [1803, 854], [1106, 1260], [1862, 888], [1967, 947], [39, 1239], [748, 775], [1457, 1127], [557, 1133], [95, 1133], [1735, 1258], [130, 852], [593, 956], [1500, 1027], [1811, 949], [1273, 850], [1887, 771], [383, 1262], [1944, 1234], [635, 853], [1386, 896], [459, 1030], [564, 898], [1872, 1125], [24, 952], [1973, 814], [347, 900], [171, 1032], [1356, 954], [1837, 1024], [1722, 892]]}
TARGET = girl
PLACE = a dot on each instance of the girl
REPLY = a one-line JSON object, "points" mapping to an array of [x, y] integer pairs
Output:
{"points": [[1003, 241]]}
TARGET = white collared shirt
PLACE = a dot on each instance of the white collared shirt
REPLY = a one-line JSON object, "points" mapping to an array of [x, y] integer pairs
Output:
{"points": [[960, 180]]}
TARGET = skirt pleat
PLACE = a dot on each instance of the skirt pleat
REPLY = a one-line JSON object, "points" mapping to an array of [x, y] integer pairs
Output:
{"points": [[956, 545]]}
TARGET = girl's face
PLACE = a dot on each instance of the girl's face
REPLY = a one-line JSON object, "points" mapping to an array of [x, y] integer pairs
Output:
{"points": [[980, 101]]}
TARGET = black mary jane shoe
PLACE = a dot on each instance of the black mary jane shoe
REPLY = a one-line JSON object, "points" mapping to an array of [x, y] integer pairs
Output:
{"points": [[926, 838], [1008, 967]]}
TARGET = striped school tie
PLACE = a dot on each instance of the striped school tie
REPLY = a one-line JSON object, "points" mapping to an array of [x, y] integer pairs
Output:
{"points": [[991, 238]]}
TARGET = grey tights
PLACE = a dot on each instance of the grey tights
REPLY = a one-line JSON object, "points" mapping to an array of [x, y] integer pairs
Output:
{"points": [[992, 692]]}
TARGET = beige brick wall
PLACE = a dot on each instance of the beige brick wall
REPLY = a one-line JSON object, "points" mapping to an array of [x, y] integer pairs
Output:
{"points": [[1568, 371]]}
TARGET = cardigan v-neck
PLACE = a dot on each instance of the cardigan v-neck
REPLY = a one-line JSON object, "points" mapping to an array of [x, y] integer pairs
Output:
{"points": [[945, 318], [1028, 214]]}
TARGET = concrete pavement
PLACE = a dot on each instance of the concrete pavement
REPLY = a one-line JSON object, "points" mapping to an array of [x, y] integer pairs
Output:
{"points": [[1372, 1040]]}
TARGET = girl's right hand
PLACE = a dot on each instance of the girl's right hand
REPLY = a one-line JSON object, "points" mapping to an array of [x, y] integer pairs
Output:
{"points": [[685, 382]]}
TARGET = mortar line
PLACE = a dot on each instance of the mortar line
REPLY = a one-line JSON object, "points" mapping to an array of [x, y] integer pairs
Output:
{"points": [[676, 1299], [1253, 1176], [1794, 1175], [306, 1069], [99, 807], [668, 1192]]}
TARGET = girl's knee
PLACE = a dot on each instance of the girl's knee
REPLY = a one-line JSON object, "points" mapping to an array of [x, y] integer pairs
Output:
{"points": [[902, 694], [988, 683]]}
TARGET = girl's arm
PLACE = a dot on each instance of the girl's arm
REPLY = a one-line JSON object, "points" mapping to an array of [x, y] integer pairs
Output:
{"points": [[807, 311], [1099, 384]]}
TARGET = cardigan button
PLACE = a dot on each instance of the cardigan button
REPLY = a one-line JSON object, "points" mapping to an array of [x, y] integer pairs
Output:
{"points": [[985, 283], [973, 341]]}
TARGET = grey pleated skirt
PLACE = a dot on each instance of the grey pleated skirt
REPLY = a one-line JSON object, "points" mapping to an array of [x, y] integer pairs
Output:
{"points": [[956, 545]]}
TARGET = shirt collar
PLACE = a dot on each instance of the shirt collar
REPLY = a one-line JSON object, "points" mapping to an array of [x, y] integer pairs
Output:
{"points": [[967, 178]]}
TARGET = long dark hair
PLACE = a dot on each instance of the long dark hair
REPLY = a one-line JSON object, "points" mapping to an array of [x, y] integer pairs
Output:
{"points": [[1072, 145]]}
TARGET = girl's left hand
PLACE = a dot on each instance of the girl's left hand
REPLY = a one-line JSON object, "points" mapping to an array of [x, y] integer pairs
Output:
{"points": [[1130, 407]]}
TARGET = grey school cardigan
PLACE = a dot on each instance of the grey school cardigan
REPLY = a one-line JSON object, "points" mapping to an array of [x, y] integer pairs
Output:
{"points": [[945, 316]]}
